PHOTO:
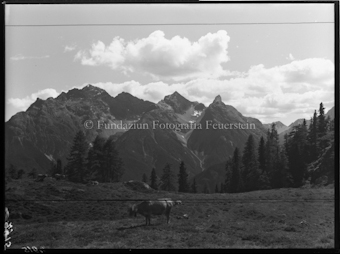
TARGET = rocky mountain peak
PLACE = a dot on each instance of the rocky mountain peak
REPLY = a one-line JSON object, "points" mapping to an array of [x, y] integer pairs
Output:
{"points": [[93, 90], [177, 102], [218, 99]]}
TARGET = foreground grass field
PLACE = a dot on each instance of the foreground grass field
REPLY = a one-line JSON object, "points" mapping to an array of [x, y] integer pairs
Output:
{"points": [[66, 215]]}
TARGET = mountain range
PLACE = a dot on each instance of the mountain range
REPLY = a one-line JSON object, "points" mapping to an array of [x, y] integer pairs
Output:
{"points": [[45, 132]]}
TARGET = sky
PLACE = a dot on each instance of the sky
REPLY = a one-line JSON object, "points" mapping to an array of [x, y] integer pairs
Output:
{"points": [[273, 72]]}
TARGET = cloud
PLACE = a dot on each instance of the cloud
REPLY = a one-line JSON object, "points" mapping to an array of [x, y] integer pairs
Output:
{"points": [[69, 48], [269, 94], [288, 91], [21, 57], [21, 104], [290, 57], [177, 58]]}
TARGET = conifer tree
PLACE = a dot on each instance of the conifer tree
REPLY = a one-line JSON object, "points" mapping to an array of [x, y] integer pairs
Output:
{"points": [[168, 179], [297, 155], [113, 170], [206, 189], [228, 175], [183, 185], [251, 171], [262, 155], [313, 138], [322, 124], [222, 188], [236, 184], [216, 189], [76, 165], [272, 153], [95, 159], [144, 178], [193, 186], [153, 179], [59, 169]]}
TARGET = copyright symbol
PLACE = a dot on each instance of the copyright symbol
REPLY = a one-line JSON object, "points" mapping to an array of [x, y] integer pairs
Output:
{"points": [[88, 124]]}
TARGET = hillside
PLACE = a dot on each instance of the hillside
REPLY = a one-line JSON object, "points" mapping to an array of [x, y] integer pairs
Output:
{"points": [[46, 130], [67, 215], [214, 146], [329, 113], [144, 149], [280, 127]]}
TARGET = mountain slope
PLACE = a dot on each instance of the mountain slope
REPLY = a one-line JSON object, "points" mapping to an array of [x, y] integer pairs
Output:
{"points": [[46, 130], [280, 127], [215, 145], [330, 113], [143, 149]]}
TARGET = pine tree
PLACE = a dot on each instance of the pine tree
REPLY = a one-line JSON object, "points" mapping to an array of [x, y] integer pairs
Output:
{"points": [[53, 168], [222, 188], [228, 175], [95, 159], [113, 170], [144, 178], [322, 128], [331, 125], [206, 189], [313, 138], [322, 124], [272, 152], [76, 161], [59, 167], [262, 155], [153, 179], [264, 182], [216, 189], [168, 179], [193, 186], [236, 184], [297, 154], [183, 185], [284, 169], [251, 171]]}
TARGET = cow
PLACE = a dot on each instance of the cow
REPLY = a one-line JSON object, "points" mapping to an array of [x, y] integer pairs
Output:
{"points": [[157, 207]]}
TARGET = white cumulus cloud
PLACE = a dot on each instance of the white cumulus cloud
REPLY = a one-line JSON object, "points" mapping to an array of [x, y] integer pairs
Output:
{"points": [[290, 57], [269, 94], [21, 57], [21, 104], [69, 48], [177, 58], [288, 91]]}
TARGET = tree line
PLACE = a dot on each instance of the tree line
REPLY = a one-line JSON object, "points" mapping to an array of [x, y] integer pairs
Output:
{"points": [[269, 165], [99, 162], [167, 181]]}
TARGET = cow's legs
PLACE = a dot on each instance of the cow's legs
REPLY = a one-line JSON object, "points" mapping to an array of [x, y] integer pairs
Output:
{"points": [[147, 220]]}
